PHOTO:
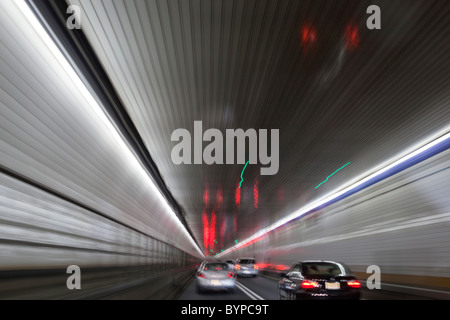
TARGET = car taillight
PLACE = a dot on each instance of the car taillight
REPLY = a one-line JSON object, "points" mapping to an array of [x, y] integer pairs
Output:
{"points": [[354, 284], [307, 284], [201, 275], [230, 274], [238, 267], [255, 266]]}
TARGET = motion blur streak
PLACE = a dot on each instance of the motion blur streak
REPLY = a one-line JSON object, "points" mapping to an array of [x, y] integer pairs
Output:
{"points": [[440, 138], [402, 222], [90, 106], [86, 118], [65, 142]]}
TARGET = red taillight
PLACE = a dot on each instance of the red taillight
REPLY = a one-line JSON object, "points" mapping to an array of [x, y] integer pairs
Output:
{"points": [[230, 275], [237, 267], [255, 266], [354, 284], [201, 275], [307, 284]]}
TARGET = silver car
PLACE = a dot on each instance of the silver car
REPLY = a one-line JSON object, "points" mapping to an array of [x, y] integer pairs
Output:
{"points": [[246, 267], [215, 276]]}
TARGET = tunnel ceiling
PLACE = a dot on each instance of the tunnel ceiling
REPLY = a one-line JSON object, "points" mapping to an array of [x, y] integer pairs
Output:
{"points": [[337, 91]]}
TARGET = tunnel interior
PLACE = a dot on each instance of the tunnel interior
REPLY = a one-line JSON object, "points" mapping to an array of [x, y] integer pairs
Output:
{"points": [[141, 138]]}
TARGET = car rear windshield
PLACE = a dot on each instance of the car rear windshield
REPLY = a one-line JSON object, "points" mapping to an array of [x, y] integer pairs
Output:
{"points": [[247, 261], [324, 269], [215, 266]]}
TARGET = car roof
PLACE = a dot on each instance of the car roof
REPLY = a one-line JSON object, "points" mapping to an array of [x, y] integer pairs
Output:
{"points": [[324, 261]]}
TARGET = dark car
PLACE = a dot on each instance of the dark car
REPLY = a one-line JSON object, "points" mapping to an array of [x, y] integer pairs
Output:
{"points": [[319, 280]]}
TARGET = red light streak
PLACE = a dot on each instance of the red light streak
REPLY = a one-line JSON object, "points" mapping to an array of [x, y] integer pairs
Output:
{"points": [[205, 231], [238, 196], [205, 197], [255, 194], [351, 37], [212, 230], [219, 198], [308, 36]]}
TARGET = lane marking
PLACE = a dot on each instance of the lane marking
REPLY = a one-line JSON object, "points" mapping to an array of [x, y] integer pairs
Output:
{"points": [[409, 287], [248, 292], [270, 277]]}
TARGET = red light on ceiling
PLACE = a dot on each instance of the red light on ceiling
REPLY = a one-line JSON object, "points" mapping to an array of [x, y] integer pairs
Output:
{"points": [[219, 197], [308, 36], [212, 229], [351, 37], [209, 230], [255, 194], [205, 231], [205, 197], [238, 196]]}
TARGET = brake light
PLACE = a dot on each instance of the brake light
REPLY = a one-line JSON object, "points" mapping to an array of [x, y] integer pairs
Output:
{"points": [[354, 284], [201, 275], [238, 267], [307, 284], [230, 274], [255, 266]]}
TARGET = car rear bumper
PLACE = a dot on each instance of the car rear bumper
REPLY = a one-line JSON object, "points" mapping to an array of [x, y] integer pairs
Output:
{"points": [[246, 272], [352, 295], [207, 284]]}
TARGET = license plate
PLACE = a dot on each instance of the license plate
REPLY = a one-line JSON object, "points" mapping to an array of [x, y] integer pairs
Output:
{"points": [[332, 285], [216, 282]]}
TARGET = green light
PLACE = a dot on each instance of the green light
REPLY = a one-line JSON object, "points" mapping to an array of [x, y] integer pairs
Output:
{"points": [[331, 175], [242, 179]]}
